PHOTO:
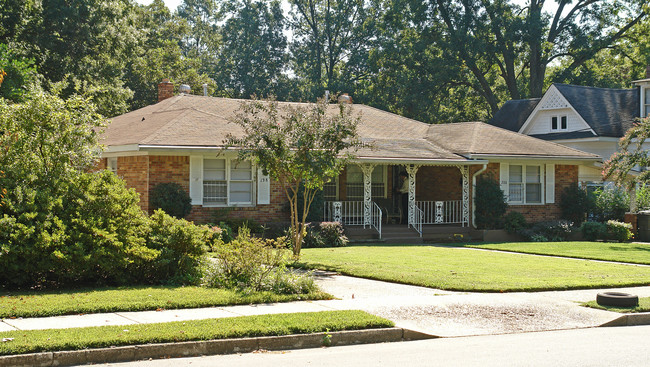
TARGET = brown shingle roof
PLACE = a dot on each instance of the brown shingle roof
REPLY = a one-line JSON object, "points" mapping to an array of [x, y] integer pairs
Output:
{"points": [[478, 138], [198, 121]]}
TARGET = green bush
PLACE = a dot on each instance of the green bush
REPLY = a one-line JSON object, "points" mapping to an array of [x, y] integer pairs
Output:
{"points": [[172, 198], [515, 222], [593, 231], [490, 203], [181, 245], [643, 197], [611, 203], [575, 203], [548, 231], [312, 239], [332, 234], [619, 231]]}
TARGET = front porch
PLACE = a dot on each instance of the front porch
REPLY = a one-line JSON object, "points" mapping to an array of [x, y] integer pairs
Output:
{"points": [[403, 234], [366, 196]]}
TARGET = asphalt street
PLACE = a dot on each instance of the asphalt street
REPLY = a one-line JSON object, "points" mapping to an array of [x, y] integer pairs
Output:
{"points": [[615, 346]]}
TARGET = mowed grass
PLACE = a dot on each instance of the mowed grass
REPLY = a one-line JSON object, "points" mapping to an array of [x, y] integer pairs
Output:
{"points": [[644, 306], [620, 252], [40, 304], [464, 269], [32, 341]]}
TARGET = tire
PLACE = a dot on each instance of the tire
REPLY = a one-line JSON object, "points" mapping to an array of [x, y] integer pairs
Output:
{"points": [[617, 299]]}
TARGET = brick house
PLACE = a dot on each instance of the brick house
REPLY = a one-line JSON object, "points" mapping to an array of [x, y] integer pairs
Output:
{"points": [[180, 140]]}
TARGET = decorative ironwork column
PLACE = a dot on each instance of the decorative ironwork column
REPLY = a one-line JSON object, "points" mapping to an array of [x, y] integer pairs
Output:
{"points": [[367, 193], [411, 170], [464, 171], [337, 211], [440, 210]]}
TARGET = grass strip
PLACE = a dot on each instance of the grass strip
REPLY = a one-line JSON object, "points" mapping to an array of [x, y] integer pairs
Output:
{"points": [[464, 269], [634, 253], [236, 327], [68, 302], [644, 306]]}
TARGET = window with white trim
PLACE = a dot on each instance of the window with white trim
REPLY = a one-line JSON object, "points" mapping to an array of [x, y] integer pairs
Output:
{"points": [[646, 102], [111, 164], [354, 182], [559, 123], [227, 182], [525, 184]]}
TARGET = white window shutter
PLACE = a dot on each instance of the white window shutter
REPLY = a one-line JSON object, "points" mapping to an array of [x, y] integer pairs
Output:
{"points": [[504, 177], [263, 188], [550, 183], [196, 180]]}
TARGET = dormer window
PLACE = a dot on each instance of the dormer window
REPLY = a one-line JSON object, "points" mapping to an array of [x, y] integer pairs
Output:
{"points": [[559, 123]]}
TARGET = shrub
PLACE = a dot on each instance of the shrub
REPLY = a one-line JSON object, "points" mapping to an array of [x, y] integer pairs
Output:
{"points": [[172, 198], [490, 203], [515, 222], [312, 238], [181, 245], [332, 234], [575, 203], [611, 203], [251, 263], [548, 231], [619, 231], [643, 197], [593, 231]]}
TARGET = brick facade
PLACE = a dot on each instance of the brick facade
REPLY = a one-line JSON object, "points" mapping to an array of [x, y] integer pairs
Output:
{"points": [[432, 183]]}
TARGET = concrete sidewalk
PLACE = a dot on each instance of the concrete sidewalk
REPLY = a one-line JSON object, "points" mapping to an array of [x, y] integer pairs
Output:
{"points": [[432, 311]]}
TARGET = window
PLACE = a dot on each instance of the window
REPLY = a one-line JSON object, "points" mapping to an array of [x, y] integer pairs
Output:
{"points": [[646, 102], [525, 184], [331, 190], [563, 123], [354, 182], [111, 164], [227, 182]]}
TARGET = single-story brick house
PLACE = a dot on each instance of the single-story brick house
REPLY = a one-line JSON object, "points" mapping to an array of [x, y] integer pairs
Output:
{"points": [[180, 139]]}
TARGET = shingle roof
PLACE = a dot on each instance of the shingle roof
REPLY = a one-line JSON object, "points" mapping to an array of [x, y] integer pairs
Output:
{"points": [[609, 112], [471, 138], [198, 121], [514, 113]]}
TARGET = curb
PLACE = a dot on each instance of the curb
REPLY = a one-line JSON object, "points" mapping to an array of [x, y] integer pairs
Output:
{"points": [[211, 347], [630, 319]]}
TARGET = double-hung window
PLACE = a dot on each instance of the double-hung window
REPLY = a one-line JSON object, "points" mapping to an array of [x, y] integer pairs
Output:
{"points": [[646, 101], [559, 123], [227, 182], [525, 184]]}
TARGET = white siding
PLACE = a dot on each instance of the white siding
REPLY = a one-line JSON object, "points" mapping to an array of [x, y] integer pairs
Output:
{"points": [[603, 148], [541, 121]]}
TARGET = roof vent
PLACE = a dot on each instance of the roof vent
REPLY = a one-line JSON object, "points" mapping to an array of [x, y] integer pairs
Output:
{"points": [[205, 89], [345, 98], [185, 89]]}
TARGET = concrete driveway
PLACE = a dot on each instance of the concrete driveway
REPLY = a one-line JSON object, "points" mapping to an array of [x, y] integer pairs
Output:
{"points": [[445, 313]]}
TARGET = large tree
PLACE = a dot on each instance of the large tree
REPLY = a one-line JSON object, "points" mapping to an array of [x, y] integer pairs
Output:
{"points": [[301, 147]]}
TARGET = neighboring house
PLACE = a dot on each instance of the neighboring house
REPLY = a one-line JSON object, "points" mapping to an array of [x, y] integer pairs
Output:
{"points": [[585, 118], [180, 139]]}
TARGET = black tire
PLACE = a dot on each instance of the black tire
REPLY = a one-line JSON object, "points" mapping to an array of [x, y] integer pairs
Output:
{"points": [[617, 299]]}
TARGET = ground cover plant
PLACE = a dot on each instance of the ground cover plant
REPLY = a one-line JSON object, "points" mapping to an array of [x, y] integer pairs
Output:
{"points": [[60, 302], [467, 269], [636, 253], [644, 306], [236, 327]]}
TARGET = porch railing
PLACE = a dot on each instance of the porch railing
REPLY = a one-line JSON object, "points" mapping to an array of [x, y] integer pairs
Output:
{"points": [[441, 212], [418, 216], [350, 213]]}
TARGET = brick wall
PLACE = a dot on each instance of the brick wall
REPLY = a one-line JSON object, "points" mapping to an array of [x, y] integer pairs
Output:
{"points": [[438, 183], [135, 172], [565, 176]]}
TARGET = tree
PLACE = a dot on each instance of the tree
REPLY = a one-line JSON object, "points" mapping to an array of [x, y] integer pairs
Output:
{"points": [[630, 155], [253, 53], [296, 145]]}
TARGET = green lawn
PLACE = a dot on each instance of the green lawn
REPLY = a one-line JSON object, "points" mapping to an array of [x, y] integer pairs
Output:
{"points": [[644, 306], [621, 252], [236, 327], [470, 270], [39, 304]]}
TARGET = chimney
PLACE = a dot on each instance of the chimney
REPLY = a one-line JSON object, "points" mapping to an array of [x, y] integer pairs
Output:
{"points": [[345, 98], [165, 89]]}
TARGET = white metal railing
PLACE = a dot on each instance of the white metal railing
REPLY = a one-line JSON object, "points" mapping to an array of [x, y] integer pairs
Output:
{"points": [[441, 212], [376, 216], [418, 216], [349, 213]]}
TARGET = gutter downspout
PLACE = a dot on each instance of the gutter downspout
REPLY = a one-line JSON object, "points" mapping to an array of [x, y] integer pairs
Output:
{"points": [[474, 193]]}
